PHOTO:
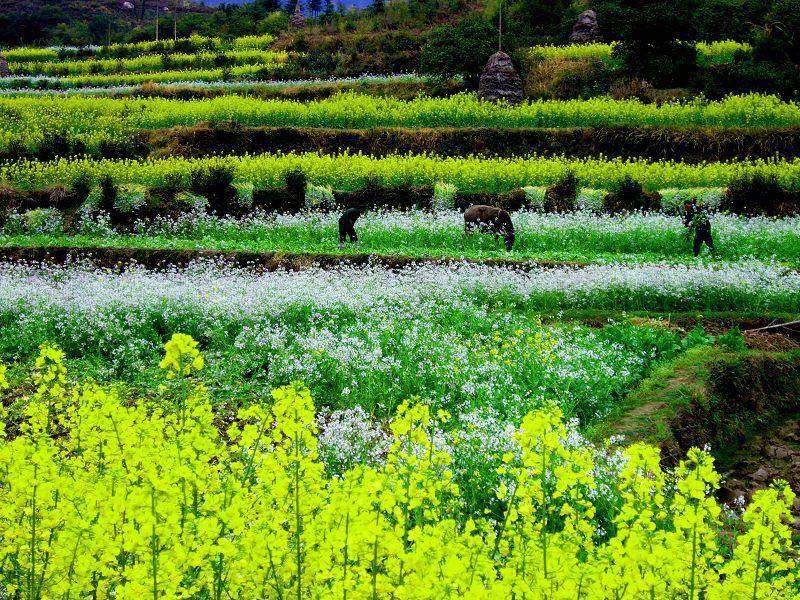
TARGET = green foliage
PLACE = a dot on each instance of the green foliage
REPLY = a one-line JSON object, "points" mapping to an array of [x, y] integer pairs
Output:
{"points": [[527, 22], [778, 40], [146, 63], [584, 236], [108, 194], [459, 49], [653, 38], [350, 172], [216, 184]]}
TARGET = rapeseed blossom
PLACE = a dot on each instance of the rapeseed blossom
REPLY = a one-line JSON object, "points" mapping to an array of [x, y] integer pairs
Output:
{"points": [[182, 356], [141, 499]]}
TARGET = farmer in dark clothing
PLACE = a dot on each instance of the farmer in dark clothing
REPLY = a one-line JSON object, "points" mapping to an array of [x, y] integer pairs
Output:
{"points": [[697, 219], [347, 224]]}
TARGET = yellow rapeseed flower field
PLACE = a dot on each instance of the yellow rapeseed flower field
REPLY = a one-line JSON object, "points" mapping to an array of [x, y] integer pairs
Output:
{"points": [[107, 498]]}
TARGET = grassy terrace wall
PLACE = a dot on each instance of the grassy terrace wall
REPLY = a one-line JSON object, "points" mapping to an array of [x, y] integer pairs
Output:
{"points": [[654, 143]]}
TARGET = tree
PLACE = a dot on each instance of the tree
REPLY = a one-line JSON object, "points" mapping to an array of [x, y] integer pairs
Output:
{"points": [[459, 49], [330, 10], [774, 64], [656, 38], [314, 7], [266, 7], [530, 22], [377, 7], [778, 39]]}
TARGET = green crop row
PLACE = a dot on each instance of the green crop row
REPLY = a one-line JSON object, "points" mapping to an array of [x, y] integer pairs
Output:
{"points": [[189, 76], [146, 63], [93, 120], [348, 171], [193, 43]]}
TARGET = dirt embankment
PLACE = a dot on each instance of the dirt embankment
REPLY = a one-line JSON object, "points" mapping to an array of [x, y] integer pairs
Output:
{"points": [[700, 144], [743, 405], [154, 258]]}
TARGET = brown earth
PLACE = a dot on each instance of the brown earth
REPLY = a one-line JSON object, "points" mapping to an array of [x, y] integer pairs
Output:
{"points": [[270, 261]]}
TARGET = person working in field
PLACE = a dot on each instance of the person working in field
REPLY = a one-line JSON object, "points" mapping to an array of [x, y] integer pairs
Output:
{"points": [[696, 218], [347, 222], [490, 219]]}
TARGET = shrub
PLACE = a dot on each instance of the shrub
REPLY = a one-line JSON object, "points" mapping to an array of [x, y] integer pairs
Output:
{"points": [[759, 194], [107, 197], [670, 65], [169, 188], [244, 194], [534, 197], [131, 198], [189, 201], [289, 199], [80, 187], [444, 196], [561, 197], [627, 194], [376, 195], [319, 197], [672, 200], [563, 78], [296, 182], [38, 221], [55, 144], [216, 184], [778, 39]]}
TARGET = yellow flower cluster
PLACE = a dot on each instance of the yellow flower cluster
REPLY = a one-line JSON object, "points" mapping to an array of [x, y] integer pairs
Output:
{"points": [[131, 500], [182, 356], [3, 379]]}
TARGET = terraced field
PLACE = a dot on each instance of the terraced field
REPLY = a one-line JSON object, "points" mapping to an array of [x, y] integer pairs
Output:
{"points": [[207, 393]]}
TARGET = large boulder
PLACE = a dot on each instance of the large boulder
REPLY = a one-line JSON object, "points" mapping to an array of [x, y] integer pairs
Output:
{"points": [[586, 30], [298, 19], [4, 70], [499, 80]]}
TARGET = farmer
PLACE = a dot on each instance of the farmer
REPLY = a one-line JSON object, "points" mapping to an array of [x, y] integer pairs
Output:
{"points": [[489, 219], [347, 224], [696, 218]]}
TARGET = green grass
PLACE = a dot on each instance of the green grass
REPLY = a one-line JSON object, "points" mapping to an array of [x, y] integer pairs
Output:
{"points": [[581, 237]]}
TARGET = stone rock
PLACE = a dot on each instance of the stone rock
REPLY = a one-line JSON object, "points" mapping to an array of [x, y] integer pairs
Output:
{"points": [[586, 30], [779, 452], [298, 19], [761, 475], [499, 80], [4, 70]]}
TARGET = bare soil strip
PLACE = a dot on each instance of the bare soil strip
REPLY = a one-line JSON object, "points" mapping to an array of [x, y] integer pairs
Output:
{"points": [[110, 257]]}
